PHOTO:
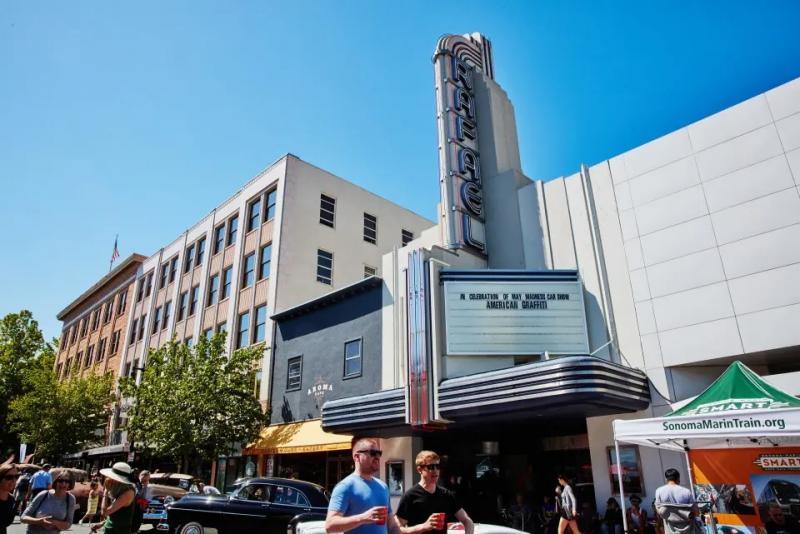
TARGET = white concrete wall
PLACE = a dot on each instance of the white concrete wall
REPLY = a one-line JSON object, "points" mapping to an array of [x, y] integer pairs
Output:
{"points": [[302, 234]]}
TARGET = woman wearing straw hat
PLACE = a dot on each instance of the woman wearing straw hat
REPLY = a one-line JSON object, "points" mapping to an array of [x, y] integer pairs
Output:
{"points": [[120, 490], [52, 510]]}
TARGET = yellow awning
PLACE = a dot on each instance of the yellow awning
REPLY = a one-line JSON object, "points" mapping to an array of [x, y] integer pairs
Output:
{"points": [[293, 438]]}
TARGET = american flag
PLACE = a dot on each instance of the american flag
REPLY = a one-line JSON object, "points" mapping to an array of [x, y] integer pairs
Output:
{"points": [[115, 254]]}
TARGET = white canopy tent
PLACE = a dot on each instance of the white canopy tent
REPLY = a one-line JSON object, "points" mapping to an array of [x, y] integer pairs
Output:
{"points": [[738, 410]]}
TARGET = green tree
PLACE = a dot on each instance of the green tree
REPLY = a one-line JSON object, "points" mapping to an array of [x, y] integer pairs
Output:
{"points": [[61, 417], [21, 344], [194, 403]]}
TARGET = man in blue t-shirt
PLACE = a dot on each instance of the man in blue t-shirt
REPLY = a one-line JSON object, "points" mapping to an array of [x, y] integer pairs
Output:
{"points": [[360, 502], [40, 481]]}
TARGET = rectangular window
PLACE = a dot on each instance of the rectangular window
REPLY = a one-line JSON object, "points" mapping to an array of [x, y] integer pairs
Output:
{"points": [[101, 349], [327, 210], [272, 197], [201, 251], [406, 237], [233, 229], [628, 463], [266, 260], [208, 333], [227, 277], [324, 267], [261, 324], [167, 312], [189, 341], [89, 355], [370, 228], [95, 319], [188, 259], [78, 360], [142, 322], [254, 215], [213, 290], [243, 335], [149, 285], [249, 274], [156, 320], [74, 335], [193, 300], [162, 281], [107, 311], [122, 301], [183, 302], [294, 374], [219, 238], [173, 269], [84, 326], [132, 337], [114, 343], [222, 327], [352, 358], [369, 271], [140, 290]]}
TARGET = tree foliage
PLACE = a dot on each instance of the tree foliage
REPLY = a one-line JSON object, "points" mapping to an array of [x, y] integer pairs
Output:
{"points": [[194, 402], [61, 417], [21, 345]]}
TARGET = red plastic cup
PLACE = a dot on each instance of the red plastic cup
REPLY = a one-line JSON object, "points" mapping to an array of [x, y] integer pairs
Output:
{"points": [[440, 517], [383, 511]]}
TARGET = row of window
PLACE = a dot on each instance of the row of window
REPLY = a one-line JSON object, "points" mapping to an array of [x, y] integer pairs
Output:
{"points": [[327, 217], [104, 311], [224, 235], [352, 365], [70, 364], [325, 267]]}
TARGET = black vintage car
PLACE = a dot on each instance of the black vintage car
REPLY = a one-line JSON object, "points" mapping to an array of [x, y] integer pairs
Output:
{"points": [[269, 505]]}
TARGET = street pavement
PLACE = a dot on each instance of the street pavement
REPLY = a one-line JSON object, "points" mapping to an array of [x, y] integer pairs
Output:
{"points": [[19, 528]]}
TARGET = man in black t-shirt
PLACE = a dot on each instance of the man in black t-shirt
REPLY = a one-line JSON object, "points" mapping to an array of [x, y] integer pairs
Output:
{"points": [[418, 508]]}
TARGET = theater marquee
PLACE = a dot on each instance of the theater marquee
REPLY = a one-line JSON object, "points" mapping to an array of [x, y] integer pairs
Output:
{"points": [[514, 313]]}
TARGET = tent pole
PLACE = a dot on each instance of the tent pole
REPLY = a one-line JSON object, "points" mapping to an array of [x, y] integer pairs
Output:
{"points": [[689, 471], [621, 491]]}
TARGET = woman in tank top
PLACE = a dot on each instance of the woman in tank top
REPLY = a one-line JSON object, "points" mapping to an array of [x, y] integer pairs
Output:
{"points": [[118, 501]]}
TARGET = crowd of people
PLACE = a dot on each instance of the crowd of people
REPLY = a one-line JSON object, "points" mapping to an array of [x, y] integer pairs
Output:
{"points": [[44, 501]]}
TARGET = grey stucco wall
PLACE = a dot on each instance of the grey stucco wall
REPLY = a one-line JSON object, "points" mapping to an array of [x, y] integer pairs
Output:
{"points": [[319, 336]]}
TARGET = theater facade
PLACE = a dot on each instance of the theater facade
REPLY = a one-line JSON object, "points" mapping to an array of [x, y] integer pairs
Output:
{"points": [[536, 312]]}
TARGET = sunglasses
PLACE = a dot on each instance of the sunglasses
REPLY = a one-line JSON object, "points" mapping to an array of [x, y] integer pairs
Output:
{"points": [[431, 467], [10, 477], [375, 453]]}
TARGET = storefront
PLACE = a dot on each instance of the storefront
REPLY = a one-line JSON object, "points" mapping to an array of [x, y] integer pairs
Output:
{"points": [[298, 450]]}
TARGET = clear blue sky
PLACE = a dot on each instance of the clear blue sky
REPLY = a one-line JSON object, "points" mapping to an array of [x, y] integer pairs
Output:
{"points": [[138, 118]]}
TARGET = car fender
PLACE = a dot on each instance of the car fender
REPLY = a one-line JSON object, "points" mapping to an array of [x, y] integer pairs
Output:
{"points": [[305, 517]]}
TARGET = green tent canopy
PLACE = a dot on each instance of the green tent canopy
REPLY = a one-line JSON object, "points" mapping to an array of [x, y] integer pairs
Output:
{"points": [[738, 410], [738, 388]]}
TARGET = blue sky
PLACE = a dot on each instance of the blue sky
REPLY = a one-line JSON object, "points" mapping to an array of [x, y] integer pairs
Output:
{"points": [[137, 119]]}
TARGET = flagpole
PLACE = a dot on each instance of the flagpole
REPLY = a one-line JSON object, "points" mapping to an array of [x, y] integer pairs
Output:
{"points": [[114, 254]]}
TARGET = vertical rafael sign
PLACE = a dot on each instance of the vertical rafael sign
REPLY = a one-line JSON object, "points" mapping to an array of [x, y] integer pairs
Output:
{"points": [[456, 61]]}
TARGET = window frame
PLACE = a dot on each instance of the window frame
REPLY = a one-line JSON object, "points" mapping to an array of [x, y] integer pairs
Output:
{"points": [[226, 283], [360, 341], [183, 304], [194, 298], [289, 363], [156, 321], [367, 239], [403, 241], [164, 274], [269, 209], [262, 263], [325, 210], [233, 231], [122, 301], [249, 272], [219, 239], [188, 259], [173, 269], [370, 271], [242, 334], [257, 324], [213, 290], [200, 252], [253, 214], [167, 315], [330, 276]]}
